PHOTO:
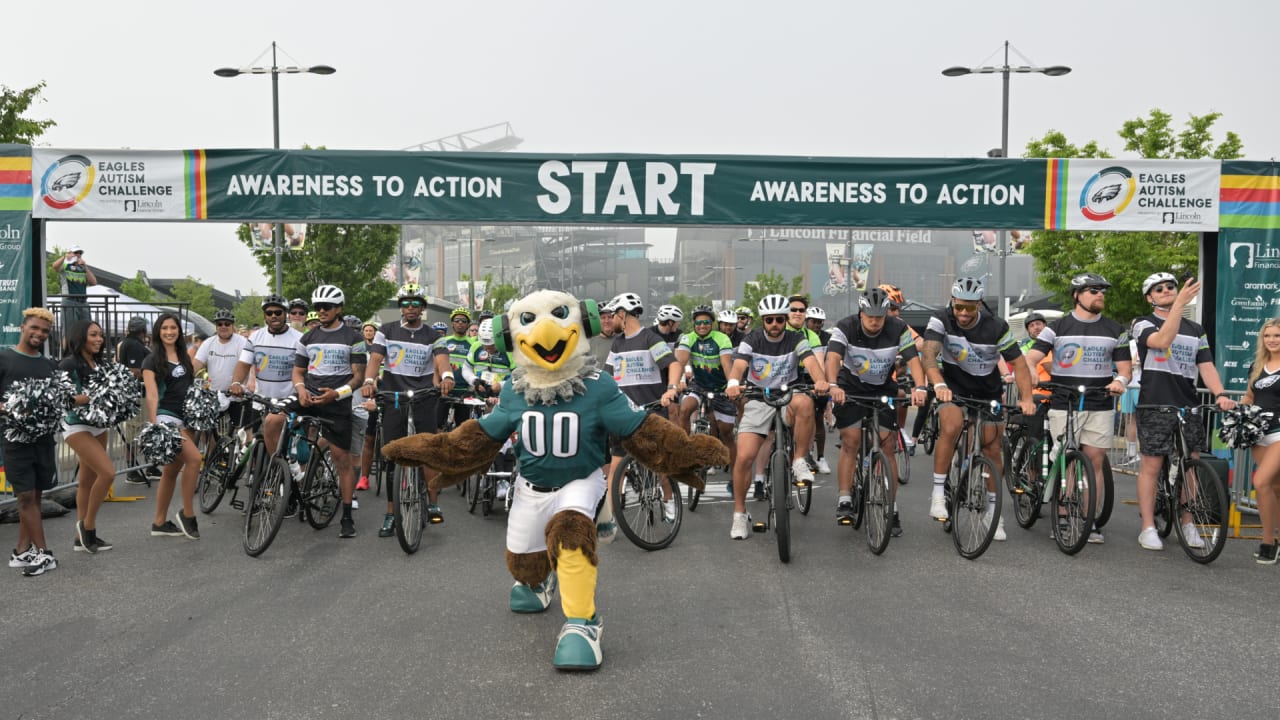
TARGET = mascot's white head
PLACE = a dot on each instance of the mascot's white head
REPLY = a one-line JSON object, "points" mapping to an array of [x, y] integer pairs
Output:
{"points": [[548, 331]]}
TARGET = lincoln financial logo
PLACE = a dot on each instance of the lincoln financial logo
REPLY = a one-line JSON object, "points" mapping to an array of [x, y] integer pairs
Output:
{"points": [[1250, 255]]}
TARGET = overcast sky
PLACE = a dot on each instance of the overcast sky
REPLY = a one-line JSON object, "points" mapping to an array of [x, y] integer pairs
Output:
{"points": [[832, 78]]}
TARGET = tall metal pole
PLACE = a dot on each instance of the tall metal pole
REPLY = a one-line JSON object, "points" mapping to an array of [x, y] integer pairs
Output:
{"points": [[471, 271], [1003, 244], [277, 240]]}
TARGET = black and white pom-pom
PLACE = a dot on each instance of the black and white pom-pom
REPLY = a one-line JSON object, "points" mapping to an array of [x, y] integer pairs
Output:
{"points": [[114, 396], [34, 407], [1244, 426], [160, 443], [201, 409]]}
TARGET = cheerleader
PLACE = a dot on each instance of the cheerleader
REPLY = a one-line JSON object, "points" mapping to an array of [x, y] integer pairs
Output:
{"points": [[167, 374], [97, 472]]}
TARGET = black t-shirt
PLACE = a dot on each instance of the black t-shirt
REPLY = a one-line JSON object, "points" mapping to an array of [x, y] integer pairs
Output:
{"points": [[1266, 394], [15, 366], [867, 361], [408, 356], [1084, 353], [969, 356], [1169, 375], [172, 382], [773, 363], [80, 372]]}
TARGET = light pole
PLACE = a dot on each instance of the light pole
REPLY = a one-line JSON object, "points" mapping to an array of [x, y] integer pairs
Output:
{"points": [[762, 242], [1005, 71], [275, 70]]}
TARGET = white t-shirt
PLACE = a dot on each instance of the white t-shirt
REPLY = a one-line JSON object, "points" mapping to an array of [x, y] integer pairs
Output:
{"points": [[220, 359]]}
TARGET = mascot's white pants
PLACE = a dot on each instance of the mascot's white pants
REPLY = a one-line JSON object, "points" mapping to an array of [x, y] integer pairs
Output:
{"points": [[532, 510]]}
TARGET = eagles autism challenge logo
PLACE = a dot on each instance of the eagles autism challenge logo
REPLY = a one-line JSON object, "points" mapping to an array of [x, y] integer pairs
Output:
{"points": [[1107, 193], [67, 182], [1069, 355], [861, 364], [395, 355]]}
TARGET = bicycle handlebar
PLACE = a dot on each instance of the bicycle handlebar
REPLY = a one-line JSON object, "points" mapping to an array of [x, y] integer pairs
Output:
{"points": [[778, 399]]}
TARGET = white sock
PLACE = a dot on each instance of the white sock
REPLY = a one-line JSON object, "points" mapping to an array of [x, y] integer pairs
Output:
{"points": [[1131, 448], [759, 479], [844, 499], [938, 485]]}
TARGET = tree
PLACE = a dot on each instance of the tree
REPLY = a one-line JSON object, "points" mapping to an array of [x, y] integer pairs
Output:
{"points": [[349, 256], [138, 289], [14, 128], [53, 278], [499, 295], [197, 295], [771, 284], [248, 310], [1125, 258]]}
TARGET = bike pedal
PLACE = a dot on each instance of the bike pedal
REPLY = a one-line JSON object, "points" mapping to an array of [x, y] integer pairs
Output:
{"points": [[759, 527], [801, 483], [436, 521], [844, 521], [237, 504]]}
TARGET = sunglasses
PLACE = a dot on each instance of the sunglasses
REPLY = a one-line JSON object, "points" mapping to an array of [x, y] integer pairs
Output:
{"points": [[701, 322], [774, 320], [797, 309], [411, 303], [1165, 287], [1096, 291], [273, 313], [324, 307], [964, 307], [667, 322], [222, 324], [297, 312], [462, 320]]}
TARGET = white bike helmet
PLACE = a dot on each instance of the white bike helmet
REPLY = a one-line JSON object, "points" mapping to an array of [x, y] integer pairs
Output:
{"points": [[669, 312], [815, 313], [772, 305], [728, 316], [629, 303], [328, 294], [1155, 279], [968, 288], [485, 333]]}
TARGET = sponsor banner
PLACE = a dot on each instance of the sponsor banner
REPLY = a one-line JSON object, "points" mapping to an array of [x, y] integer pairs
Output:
{"points": [[1110, 194], [1248, 294], [464, 298], [1250, 195], [117, 184], [15, 272]]}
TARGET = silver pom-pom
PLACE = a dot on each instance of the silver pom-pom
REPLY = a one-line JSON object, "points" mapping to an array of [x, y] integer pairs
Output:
{"points": [[114, 396], [201, 409], [1244, 426], [160, 443], [34, 407]]}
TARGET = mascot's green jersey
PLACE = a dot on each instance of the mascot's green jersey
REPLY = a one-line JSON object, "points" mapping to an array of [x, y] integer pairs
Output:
{"points": [[566, 441]]}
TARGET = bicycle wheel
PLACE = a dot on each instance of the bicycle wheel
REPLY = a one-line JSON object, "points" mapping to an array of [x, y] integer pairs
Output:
{"points": [[1202, 497], [488, 492], [974, 514], [1164, 505], [408, 508], [636, 493], [694, 496], [211, 485], [780, 502], [320, 493], [1023, 490], [879, 503], [929, 433], [802, 497], [268, 499], [472, 492], [1072, 503], [903, 459], [859, 495], [1108, 494]]}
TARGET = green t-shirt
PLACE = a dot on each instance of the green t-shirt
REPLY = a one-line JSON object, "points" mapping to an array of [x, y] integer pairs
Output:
{"points": [[704, 358]]}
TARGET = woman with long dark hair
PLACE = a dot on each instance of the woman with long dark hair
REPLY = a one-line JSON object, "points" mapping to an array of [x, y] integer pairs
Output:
{"points": [[86, 342], [167, 374]]}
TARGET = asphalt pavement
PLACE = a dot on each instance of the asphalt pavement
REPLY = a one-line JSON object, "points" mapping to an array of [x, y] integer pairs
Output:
{"points": [[709, 628]]}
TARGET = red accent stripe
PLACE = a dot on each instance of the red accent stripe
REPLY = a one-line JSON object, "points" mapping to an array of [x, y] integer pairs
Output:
{"points": [[1055, 169], [1250, 195], [15, 177]]}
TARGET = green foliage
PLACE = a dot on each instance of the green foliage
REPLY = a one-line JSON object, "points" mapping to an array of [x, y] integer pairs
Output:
{"points": [[197, 296], [498, 296], [14, 128], [1125, 258], [248, 311], [349, 256], [53, 278], [138, 289], [770, 284]]}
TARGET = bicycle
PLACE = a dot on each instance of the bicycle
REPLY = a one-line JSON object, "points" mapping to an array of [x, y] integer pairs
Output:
{"points": [[407, 489], [636, 493], [779, 487], [225, 461], [460, 408], [929, 433], [701, 426], [872, 485], [1070, 481], [1190, 488], [972, 516]]}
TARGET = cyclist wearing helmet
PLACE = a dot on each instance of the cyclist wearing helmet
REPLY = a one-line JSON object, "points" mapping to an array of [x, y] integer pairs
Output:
{"points": [[667, 322], [487, 367], [797, 321], [602, 343], [440, 327], [710, 354], [727, 323], [774, 357], [328, 367], [642, 365], [896, 301], [220, 355], [969, 343], [459, 345], [1084, 346], [266, 363], [407, 355], [1172, 352], [744, 319], [298, 309], [861, 357], [313, 321]]}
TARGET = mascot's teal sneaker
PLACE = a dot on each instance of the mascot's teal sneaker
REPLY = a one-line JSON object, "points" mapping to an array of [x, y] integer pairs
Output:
{"points": [[578, 647], [535, 599], [606, 532]]}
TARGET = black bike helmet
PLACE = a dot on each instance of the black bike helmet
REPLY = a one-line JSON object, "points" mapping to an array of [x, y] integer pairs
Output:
{"points": [[224, 315], [703, 310], [1033, 317], [1088, 280], [874, 302], [275, 300]]}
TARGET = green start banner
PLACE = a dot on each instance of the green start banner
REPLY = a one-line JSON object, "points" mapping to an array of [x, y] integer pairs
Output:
{"points": [[1248, 265]]}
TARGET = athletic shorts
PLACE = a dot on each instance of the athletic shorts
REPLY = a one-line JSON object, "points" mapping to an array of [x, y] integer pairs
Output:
{"points": [[396, 420], [173, 420], [1129, 401], [339, 413], [1268, 439], [69, 430], [532, 509], [757, 417], [1155, 431], [1093, 427], [358, 423], [850, 414], [30, 466]]}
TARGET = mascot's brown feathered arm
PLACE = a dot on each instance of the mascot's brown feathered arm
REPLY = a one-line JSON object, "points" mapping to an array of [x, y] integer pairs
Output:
{"points": [[456, 455], [663, 448]]}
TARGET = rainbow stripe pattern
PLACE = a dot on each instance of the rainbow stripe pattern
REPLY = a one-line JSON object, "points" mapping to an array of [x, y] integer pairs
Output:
{"points": [[1055, 194], [1250, 196], [194, 166], [15, 183]]}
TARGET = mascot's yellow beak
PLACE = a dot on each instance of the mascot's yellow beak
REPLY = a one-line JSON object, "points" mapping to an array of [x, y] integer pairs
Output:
{"points": [[549, 343]]}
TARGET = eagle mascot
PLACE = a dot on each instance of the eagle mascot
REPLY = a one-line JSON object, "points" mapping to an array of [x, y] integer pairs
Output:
{"points": [[564, 409]]}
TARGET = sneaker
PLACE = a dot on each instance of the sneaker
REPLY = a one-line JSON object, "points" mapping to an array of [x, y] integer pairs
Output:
{"points": [[136, 477], [728, 487], [938, 508], [606, 532], [42, 563], [844, 513], [348, 528], [533, 598], [1096, 537], [801, 475], [823, 467], [1149, 539], [758, 491], [24, 558], [296, 470], [578, 647], [895, 530], [1266, 554], [1000, 535], [669, 510], [711, 471], [83, 543], [434, 516], [1191, 535], [741, 526], [363, 483], [388, 526], [168, 529], [292, 509], [187, 526], [99, 544]]}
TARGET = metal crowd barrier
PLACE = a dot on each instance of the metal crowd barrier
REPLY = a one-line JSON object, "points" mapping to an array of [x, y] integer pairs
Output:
{"points": [[124, 455]]}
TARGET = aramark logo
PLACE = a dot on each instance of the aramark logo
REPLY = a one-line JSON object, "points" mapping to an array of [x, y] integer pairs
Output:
{"points": [[1107, 193], [67, 182]]}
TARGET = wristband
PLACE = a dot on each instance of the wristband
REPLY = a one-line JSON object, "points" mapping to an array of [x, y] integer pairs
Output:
{"points": [[344, 391], [236, 384], [923, 388], [1123, 380], [733, 382], [939, 385], [368, 381], [671, 387], [301, 385]]}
